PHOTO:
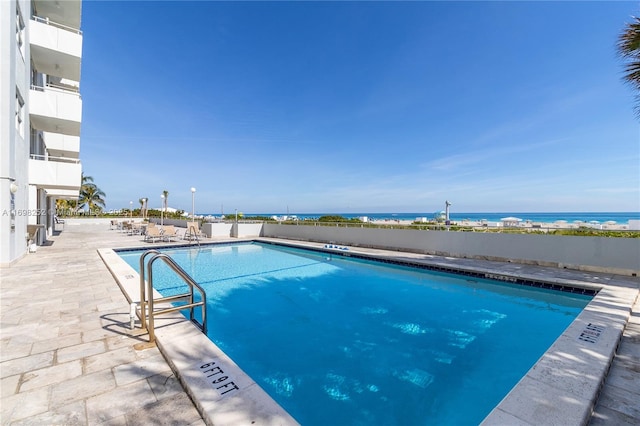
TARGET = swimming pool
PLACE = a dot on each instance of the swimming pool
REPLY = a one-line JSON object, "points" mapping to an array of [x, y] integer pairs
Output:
{"points": [[342, 341]]}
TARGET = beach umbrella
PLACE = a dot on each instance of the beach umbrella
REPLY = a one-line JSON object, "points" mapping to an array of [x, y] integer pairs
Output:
{"points": [[511, 219]]}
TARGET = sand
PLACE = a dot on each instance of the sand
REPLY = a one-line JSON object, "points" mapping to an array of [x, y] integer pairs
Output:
{"points": [[520, 225]]}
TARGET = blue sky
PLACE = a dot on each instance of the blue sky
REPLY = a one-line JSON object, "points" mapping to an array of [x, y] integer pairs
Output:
{"points": [[323, 107]]}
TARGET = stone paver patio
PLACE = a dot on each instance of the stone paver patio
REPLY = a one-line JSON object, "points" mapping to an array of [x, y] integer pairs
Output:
{"points": [[67, 353]]}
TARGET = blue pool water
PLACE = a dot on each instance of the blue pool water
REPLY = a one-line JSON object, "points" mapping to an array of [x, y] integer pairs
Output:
{"points": [[353, 342]]}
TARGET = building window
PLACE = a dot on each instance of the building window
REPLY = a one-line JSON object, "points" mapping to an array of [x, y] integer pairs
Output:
{"points": [[33, 143], [19, 31], [37, 147], [19, 114]]}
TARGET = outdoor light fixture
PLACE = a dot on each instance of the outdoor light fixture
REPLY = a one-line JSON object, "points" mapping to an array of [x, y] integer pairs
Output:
{"points": [[162, 210], [13, 188], [193, 203]]}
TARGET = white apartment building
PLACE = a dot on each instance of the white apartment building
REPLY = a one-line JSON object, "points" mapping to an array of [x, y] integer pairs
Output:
{"points": [[40, 117]]}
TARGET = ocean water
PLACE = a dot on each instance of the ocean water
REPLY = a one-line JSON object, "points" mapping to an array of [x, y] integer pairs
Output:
{"points": [[620, 218]]}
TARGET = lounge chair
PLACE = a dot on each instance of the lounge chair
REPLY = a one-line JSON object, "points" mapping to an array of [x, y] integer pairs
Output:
{"points": [[137, 228], [126, 227], [169, 232], [153, 234]]}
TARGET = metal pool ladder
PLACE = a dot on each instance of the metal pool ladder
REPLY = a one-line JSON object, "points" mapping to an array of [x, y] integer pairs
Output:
{"points": [[193, 235], [151, 311]]}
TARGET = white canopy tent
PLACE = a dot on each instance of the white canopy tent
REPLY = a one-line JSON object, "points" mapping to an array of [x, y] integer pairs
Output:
{"points": [[510, 221]]}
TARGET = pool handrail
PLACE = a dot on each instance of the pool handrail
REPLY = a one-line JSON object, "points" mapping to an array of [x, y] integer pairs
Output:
{"points": [[151, 301]]}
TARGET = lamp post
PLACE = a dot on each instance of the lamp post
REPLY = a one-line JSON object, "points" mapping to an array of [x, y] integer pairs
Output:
{"points": [[193, 203], [446, 213], [162, 210], [131, 210]]}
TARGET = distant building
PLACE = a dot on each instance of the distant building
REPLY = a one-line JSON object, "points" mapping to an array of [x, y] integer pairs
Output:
{"points": [[41, 52]]}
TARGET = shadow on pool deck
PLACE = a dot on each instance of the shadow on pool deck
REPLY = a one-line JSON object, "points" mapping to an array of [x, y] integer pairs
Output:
{"points": [[68, 357]]}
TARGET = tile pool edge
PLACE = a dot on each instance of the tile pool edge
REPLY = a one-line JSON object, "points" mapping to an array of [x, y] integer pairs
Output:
{"points": [[564, 384], [200, 365], [570, 286]]}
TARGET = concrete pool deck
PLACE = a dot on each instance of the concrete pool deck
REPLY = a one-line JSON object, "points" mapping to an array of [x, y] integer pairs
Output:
{"points": [[68, 356]]}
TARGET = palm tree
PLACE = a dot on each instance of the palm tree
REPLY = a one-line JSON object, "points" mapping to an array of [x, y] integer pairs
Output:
{"points": [[165, 200], [86, 183], [629, 50], [64, 207], [92, 197], [142, 209], [86, 180]]}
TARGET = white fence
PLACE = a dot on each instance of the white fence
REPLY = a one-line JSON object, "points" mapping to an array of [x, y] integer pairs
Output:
{"points": [[598, 254]]}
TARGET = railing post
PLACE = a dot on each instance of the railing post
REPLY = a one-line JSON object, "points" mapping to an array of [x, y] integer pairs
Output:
{"points": [[143, 298], [143, 308], [151, 329]]}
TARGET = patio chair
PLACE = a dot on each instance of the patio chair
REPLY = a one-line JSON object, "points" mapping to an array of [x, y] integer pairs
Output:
{"points": [[58, 221], [169, 233], [137, 228], [153, 234], [126, 227], [180, 233]]}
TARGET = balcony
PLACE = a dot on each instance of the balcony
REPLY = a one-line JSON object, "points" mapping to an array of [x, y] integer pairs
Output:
{"points": [[55, 174], [59, 145], [67, 12], [55, 48], [55, 109]]}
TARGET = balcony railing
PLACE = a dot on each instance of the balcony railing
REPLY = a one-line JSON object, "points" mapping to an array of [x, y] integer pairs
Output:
{"points": [[57, 88], [47, 21], [56, 159], [51, 173]]}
